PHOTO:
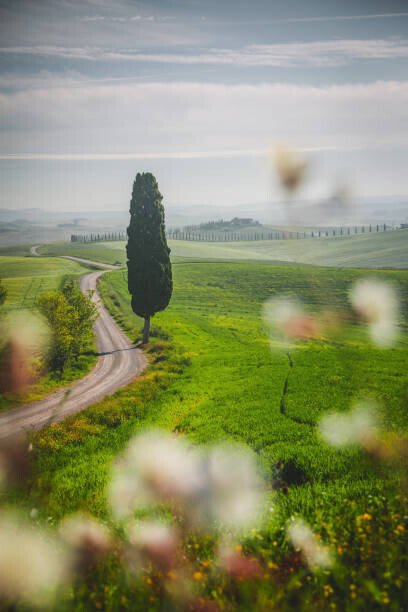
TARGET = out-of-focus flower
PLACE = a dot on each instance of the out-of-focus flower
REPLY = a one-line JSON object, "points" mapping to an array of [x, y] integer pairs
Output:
{"points": [[88, 539], [303, 539], [289, 319], [376, 302], [156, 541], [156, 467], [235, 487], [356, 427], [200, 604], [238, 565], [22, 336], [290, 168], [220, 485], [31, 565], [15, 459]]}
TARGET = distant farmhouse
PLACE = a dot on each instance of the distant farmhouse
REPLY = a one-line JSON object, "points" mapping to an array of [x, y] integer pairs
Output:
{"points": [[221, 224]]}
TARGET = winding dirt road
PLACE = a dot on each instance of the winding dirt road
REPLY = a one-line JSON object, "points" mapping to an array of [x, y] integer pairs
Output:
{"points": [[118, 364]]}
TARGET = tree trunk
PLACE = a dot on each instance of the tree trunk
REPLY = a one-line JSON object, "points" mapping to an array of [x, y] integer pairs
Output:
{"points": [[146, 330]]}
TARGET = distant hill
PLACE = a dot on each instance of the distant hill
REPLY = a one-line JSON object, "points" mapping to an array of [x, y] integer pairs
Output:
{"points": [[383, 250]]}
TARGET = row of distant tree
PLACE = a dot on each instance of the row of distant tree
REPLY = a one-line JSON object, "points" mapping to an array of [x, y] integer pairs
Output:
{"points": [[220, 224], [221, 234]]}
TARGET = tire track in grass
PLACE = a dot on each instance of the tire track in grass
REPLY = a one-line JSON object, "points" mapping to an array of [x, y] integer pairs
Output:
{"points": [[282, 404]]}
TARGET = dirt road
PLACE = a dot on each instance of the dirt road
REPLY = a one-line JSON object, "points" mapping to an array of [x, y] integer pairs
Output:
{"points": [[118, 364]]}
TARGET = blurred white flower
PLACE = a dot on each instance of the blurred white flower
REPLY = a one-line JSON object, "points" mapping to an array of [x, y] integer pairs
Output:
{"points": [[288, 318], [290, 167], [377, 303], [87, 538], [232, 560], [24, 335], [31, 565], [156, 467], [234, 487], [27, 328], [303, 539], [356, 427], [156, 541], [125, 492], [34, 514]]}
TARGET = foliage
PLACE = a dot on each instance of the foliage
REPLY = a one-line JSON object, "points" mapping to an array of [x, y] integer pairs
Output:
{"points": [[83, 315], [222, 224], [70, 315], [149, 270], [3, 293], [25, 279]]}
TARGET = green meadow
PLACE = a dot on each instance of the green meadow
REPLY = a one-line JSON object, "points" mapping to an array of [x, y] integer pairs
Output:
{"points": [[214, 375], [25, 279], [371, 250]]}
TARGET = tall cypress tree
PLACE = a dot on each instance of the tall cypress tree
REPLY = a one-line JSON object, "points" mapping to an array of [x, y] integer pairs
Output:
{"points": [[150, 280]]}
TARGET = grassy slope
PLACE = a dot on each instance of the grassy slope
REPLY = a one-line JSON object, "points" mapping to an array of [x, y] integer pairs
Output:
{"points": [[382, 250], [387, 249], [107, 252], [217, 377], [16, 250], [25, 278]]}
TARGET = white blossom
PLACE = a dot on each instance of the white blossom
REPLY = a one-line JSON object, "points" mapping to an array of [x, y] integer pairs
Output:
{"points": [[290, 167], [31, 565], [234, 487], [377, 303], [288, 319], [82, 532], [358, 426], [303, 539], [156, 467]]}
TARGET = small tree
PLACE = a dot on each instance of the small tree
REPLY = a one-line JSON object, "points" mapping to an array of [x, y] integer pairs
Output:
{"points": [[150, 280], [83, 315], [58, 313], [70, 315]]}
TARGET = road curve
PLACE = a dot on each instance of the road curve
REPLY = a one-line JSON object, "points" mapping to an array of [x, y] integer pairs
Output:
{"points": [[118, 364]]}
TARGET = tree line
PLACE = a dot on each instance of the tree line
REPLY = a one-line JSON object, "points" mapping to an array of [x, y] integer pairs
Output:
{"points": [[203, 235]]}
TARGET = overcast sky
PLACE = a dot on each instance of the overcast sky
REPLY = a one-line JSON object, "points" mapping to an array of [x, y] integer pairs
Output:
{"points": [[199, 92]]}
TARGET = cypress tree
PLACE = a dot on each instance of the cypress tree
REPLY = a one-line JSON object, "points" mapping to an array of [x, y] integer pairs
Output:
{"points": [[148, 256]]}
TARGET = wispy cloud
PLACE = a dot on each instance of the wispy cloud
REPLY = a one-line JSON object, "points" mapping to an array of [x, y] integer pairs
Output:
{"points": [[317, 53], [214, 154], [321, 18], [211, 22], [124, 18], [200, 119]]}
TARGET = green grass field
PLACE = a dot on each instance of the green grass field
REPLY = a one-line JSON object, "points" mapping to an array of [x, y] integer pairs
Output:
{"points": [[25, 278], [16, 250], [383, 250], [213, 376], [106, 252]]}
